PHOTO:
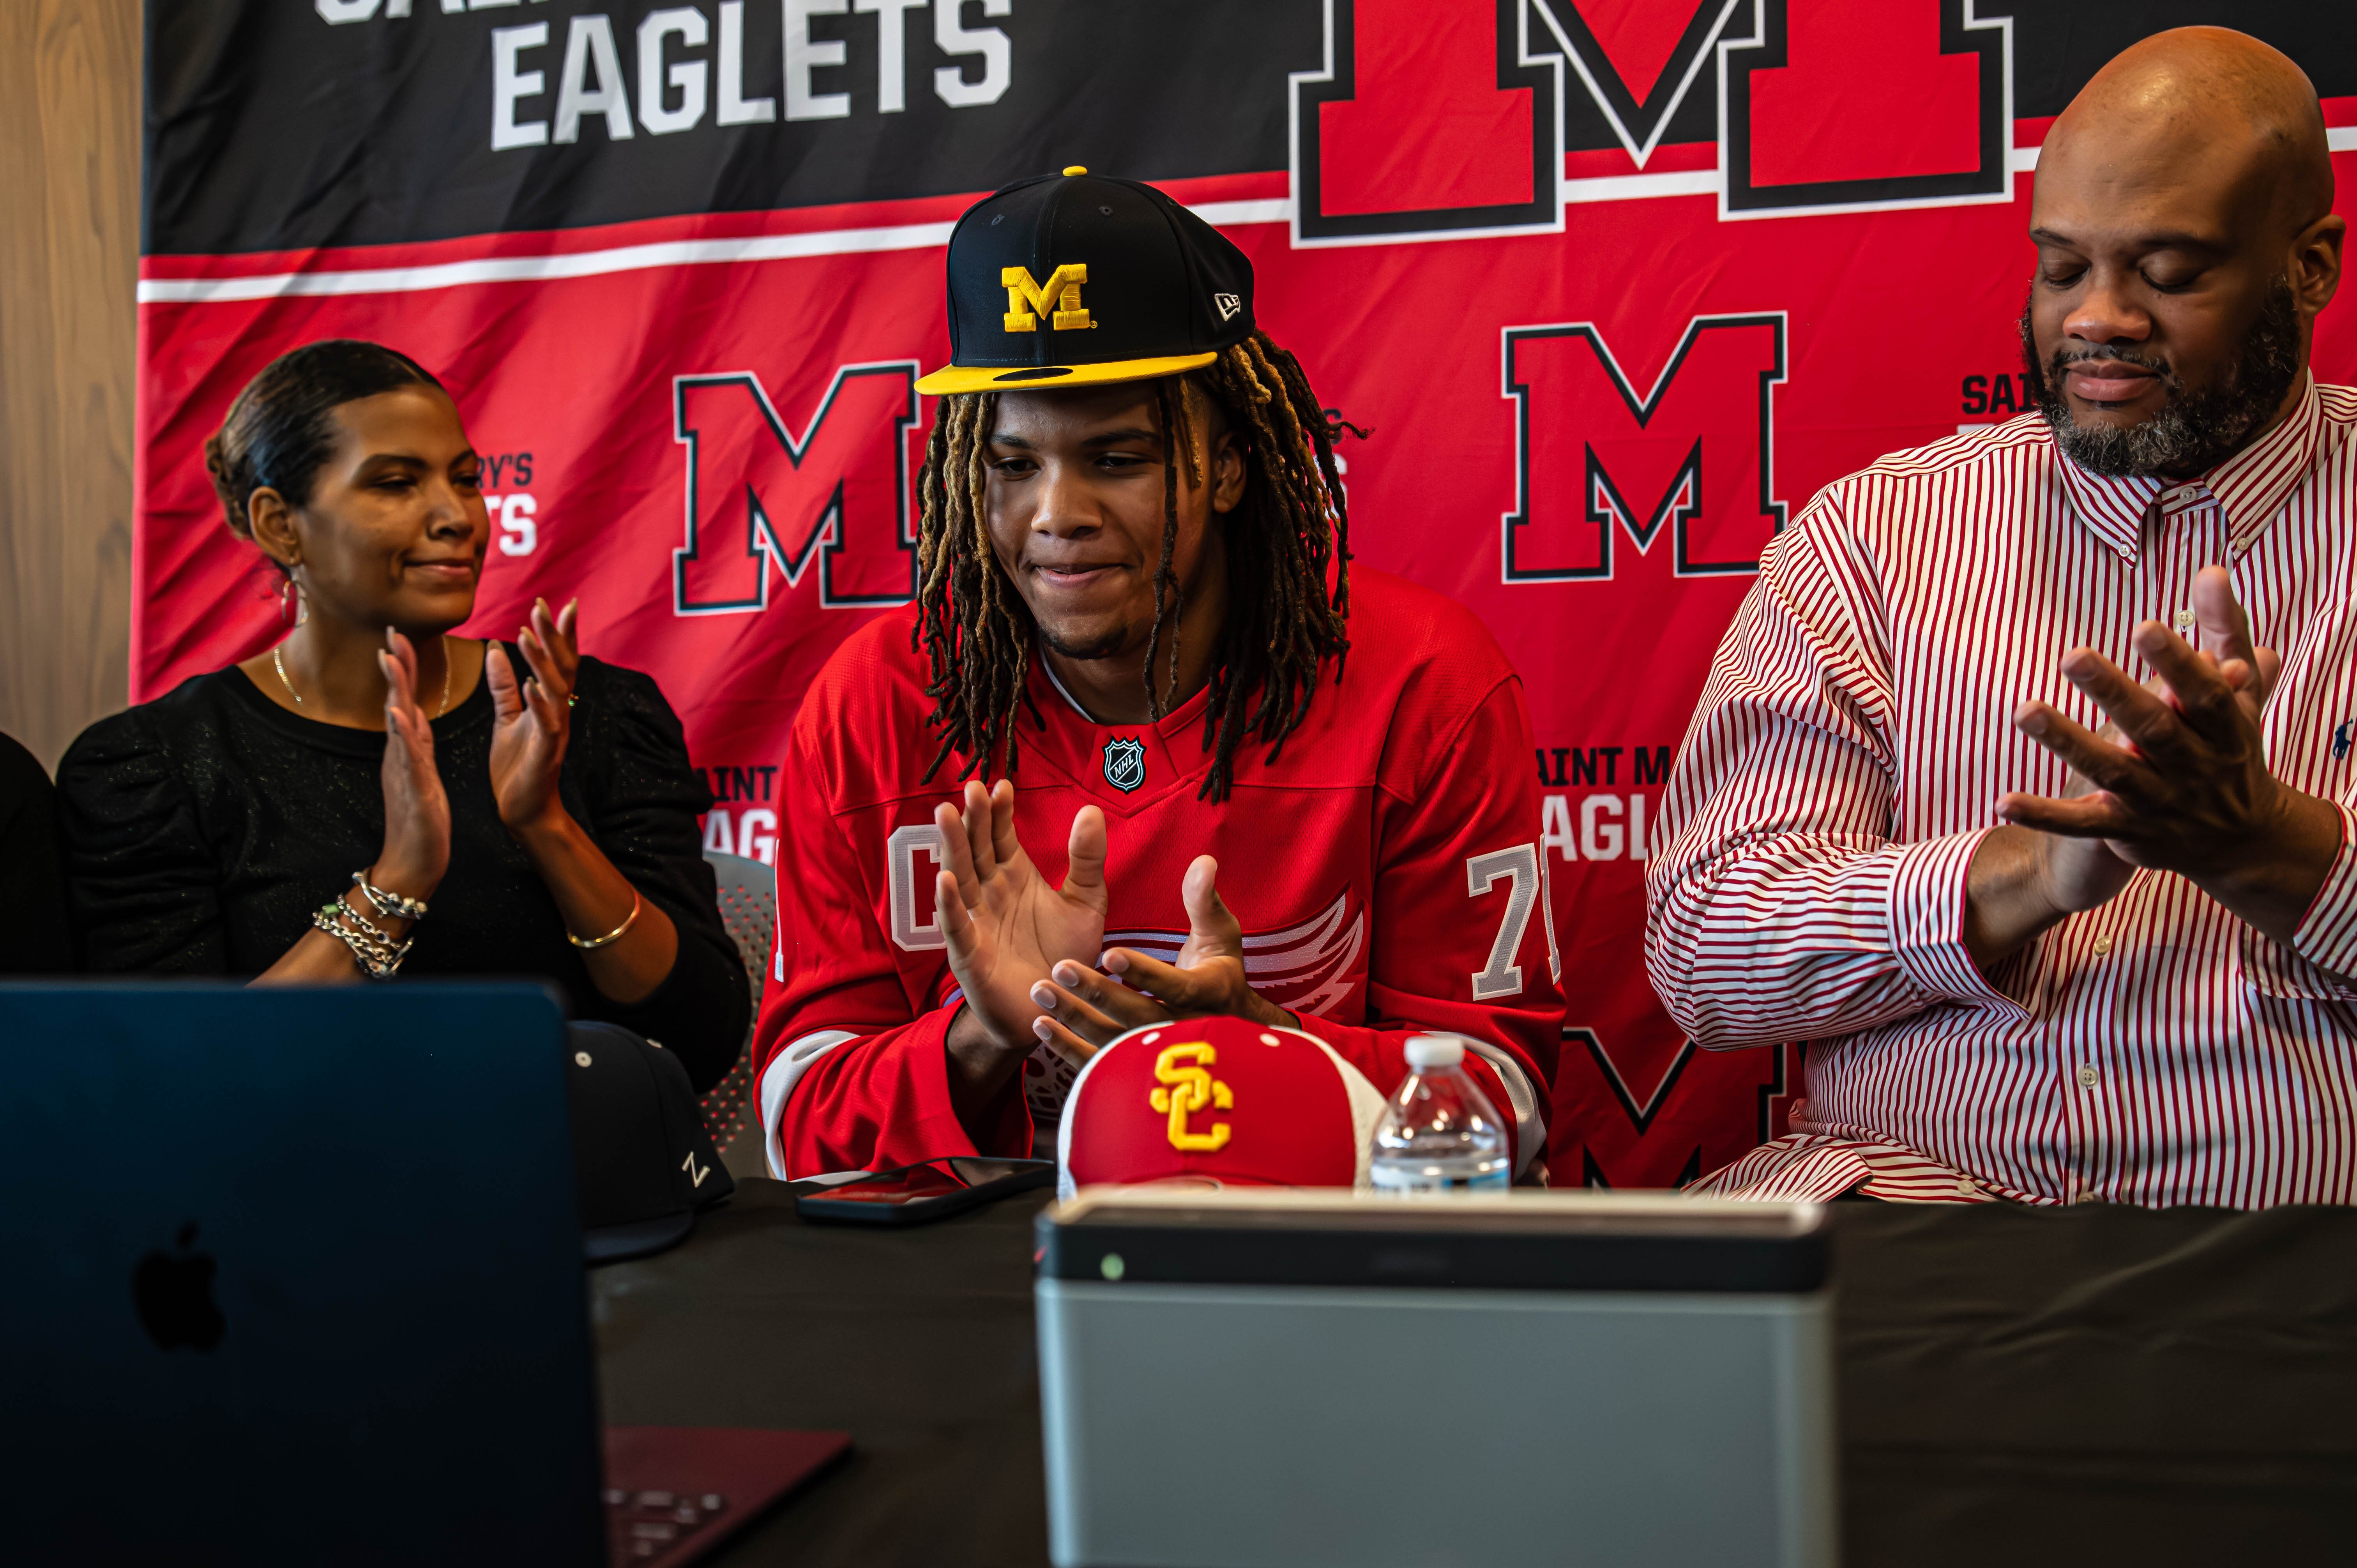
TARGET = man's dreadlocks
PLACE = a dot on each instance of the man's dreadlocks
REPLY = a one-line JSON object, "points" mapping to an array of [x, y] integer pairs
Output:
{"points": [[1290, 526]]}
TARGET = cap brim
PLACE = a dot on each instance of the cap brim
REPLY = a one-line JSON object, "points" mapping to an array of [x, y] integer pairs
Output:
{"points": [[637, 1239], [1037, 378]]}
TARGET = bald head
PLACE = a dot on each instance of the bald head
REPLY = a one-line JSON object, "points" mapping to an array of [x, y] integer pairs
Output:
{"points": [[2186, 242], [2202, 103]]}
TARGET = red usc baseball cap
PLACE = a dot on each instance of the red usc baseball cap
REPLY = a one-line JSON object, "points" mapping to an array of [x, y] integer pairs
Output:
{"points": [[1222, 1102]]}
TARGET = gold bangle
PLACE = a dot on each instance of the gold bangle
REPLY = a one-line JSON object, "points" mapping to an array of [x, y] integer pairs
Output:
{"points": [[616, 935]]}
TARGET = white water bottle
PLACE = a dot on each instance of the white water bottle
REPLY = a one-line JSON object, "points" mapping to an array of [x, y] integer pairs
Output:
{"points": [[1439, 1133]]}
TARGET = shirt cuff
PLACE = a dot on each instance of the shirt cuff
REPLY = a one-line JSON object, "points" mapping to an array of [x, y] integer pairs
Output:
{"points": [[2326, 938], [1927, 923]]}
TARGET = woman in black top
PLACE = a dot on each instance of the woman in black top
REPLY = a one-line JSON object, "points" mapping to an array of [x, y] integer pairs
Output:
{"points": [[512, 809], [33, 936]]}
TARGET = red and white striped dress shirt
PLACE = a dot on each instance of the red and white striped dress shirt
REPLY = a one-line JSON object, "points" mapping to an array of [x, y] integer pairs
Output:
{"points": [[1845, 760]]}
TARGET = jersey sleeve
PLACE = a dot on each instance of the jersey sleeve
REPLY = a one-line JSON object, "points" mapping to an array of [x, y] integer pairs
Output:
{"points": [[851, 1066], [1463, 940]]}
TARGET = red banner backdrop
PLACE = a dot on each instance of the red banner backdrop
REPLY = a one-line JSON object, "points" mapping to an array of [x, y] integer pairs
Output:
{"points": [[1598, 380]]}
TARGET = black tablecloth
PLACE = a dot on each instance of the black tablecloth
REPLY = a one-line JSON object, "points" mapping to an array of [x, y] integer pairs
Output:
{"points": [[2088, 1386]]}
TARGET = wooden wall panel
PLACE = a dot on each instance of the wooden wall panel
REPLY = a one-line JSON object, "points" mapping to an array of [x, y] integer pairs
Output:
{"points": [[69, 266]]}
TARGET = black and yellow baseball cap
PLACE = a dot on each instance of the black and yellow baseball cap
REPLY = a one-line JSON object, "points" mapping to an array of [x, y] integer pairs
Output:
{"points": [[1077, 279]]}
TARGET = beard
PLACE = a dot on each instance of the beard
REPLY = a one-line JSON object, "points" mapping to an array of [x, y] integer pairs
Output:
{"points": [[1105, 644], [2194, 429]]}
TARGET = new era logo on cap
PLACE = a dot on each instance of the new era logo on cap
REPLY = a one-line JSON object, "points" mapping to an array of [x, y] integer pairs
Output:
{"points": [[1220, 1100]]}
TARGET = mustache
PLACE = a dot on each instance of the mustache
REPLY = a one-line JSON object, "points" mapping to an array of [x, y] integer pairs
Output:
{"points": [[2195, 428], [2110, 353]]}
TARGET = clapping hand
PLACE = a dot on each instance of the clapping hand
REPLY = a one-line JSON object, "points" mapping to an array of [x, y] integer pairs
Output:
{"points": [[533, 720], [635, 943], [2183, 783], [2076, 874], [416, 810], [1083, 1009], [1004, 926]]}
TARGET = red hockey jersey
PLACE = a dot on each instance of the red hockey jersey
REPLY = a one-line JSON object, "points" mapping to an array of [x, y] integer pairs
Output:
{"points": [[1386, 870]]}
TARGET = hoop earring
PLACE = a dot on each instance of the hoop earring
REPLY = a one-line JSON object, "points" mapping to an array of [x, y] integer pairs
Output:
{"points": [[302, 605]]}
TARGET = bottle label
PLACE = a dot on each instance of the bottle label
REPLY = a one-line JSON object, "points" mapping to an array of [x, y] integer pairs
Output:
{"points": [[1411, 1179]]}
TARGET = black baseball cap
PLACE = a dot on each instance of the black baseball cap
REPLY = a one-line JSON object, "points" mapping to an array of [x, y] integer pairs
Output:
{"points": [[1079, 279], [642, 1161]]}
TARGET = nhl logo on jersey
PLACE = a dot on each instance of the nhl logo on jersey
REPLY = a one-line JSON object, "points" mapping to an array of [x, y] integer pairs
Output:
{"points": [[1124, 763]]}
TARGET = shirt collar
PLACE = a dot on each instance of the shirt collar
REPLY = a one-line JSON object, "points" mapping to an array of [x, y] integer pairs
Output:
{"points": [[1187, 712], [2249, 487]]}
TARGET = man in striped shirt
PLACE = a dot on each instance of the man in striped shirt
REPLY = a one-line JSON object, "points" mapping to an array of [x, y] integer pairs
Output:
{"points": [[2021, 784]]}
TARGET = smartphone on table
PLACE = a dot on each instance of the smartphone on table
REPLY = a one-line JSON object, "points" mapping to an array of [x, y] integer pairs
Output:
{"points": [[918, 1194]]}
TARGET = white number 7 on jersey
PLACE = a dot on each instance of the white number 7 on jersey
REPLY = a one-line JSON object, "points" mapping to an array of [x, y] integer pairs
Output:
{"points": [[1503, 976]]}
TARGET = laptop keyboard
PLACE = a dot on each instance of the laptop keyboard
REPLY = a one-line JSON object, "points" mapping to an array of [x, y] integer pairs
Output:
{"points": [[648, 1527]]}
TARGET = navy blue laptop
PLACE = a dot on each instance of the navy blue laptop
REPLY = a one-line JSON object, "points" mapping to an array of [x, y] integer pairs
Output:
{"points": [[260, 1245], [294, 1276]]}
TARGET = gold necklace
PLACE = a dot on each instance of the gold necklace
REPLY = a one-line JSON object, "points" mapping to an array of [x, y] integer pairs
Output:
{"points": [[278, 662]]}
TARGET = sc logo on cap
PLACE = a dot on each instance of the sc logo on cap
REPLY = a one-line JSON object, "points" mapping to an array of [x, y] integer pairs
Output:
{"points": [[1187, 1070]]}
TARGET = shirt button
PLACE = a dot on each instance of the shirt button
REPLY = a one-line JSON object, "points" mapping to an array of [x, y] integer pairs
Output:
{"points": [[2102, 947], [1966, 1187], [2184, 619], [2088, 1076], [2086, 1195]]}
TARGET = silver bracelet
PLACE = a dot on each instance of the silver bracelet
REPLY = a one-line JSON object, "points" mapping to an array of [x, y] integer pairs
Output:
{"points": [[373, 953], [384, 903]]}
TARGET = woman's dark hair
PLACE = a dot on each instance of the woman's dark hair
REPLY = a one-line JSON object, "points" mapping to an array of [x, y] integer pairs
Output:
{"points": [[283, 426]]}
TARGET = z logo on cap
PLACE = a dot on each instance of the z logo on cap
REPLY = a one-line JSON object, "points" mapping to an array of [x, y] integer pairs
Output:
{"points": [[1124, 763], [1059, 298], [1188, 1069]]}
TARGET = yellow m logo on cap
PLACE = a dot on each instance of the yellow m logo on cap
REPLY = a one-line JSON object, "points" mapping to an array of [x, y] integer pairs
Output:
{"points": [[1059, 298], [1187, 1070]]}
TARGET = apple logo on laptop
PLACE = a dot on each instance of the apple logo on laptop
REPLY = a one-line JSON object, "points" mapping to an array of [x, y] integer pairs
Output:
{"points": [[174, 1292]]}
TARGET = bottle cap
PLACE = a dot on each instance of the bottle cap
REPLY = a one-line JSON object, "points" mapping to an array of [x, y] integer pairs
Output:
{"points": [[1426, 1052]]}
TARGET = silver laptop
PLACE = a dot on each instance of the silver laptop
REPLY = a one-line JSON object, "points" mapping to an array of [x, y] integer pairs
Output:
{"points": [[1250, 1378]]}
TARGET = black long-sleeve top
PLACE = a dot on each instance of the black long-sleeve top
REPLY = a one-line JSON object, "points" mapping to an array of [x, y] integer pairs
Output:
{"points": [[34, 937], [202, 830]]}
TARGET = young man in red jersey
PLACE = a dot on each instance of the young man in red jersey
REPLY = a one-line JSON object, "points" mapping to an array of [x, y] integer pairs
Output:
{"points": [[1201, 806]]}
